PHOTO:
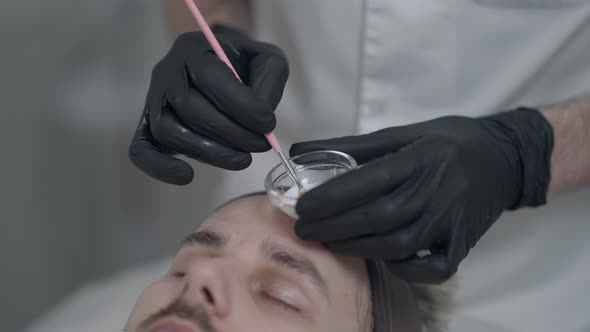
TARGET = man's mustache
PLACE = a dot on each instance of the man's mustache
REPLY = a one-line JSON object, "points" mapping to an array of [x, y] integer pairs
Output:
{"points": [[194, 313]]}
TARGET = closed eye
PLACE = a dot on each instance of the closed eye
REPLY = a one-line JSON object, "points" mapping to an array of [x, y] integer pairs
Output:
{"points": [[279, 302]]}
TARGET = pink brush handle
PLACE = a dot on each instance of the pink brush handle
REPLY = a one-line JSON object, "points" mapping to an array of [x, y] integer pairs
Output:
{"points": [[270, 137], [274, 142]]}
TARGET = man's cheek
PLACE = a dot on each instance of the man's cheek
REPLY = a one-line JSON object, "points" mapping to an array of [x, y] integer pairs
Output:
{"points": [[155, 297]]}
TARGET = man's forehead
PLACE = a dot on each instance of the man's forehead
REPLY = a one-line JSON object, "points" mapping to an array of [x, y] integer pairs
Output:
{"points": [[253, 219], [251, 213]]}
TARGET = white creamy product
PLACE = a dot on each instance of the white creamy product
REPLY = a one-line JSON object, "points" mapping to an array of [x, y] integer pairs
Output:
{"points": [[289, 199]]}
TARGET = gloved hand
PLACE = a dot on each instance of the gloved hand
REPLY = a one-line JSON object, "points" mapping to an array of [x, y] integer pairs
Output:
{"points": [[196, 107], [437, 185]]}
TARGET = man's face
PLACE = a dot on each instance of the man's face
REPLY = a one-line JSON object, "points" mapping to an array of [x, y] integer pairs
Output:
{"points": [[245, 270]]}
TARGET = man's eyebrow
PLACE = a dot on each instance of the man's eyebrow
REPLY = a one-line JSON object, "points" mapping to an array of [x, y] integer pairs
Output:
{"points": [[206, 238], [293, 261]]}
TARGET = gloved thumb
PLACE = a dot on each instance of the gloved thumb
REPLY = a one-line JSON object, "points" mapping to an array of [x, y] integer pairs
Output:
{"points": [[362, 148]]}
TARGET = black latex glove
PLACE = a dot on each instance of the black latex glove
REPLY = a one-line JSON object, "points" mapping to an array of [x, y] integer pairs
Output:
{"points": [[437, 185], [196, 107]]}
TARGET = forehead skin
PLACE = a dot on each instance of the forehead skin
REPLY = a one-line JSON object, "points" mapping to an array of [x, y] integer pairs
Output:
{"points": [[249, 216]]}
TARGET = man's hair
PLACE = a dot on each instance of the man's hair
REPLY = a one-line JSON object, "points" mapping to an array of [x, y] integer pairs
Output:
{"points": [[394, 303], [400, 305]]}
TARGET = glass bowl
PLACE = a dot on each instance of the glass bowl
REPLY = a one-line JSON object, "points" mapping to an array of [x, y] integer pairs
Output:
{"points": [[312, 169]]}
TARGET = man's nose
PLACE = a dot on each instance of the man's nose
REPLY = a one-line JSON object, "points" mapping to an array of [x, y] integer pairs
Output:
{"points": [[209, 282]]}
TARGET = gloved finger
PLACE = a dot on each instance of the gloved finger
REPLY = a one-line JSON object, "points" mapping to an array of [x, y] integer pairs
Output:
{"points": [[384, 215], [357, 187], [431, 269], [269, 71], [267, 67], [362, 148], [149, 158], [173, 135], [397, 245], [457, 246], [239, 61], [202, 117], [176, 82], [238, 101]]}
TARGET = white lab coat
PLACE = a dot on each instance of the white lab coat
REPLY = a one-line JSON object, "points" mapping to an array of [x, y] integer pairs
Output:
{"points": [[359, 66]]}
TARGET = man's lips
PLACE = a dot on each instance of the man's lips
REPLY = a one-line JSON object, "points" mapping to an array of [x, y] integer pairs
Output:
{"points": [[174, 325]]}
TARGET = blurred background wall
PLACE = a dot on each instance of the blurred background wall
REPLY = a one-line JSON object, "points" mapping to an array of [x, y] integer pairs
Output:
{"points": [[73, 77]]}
